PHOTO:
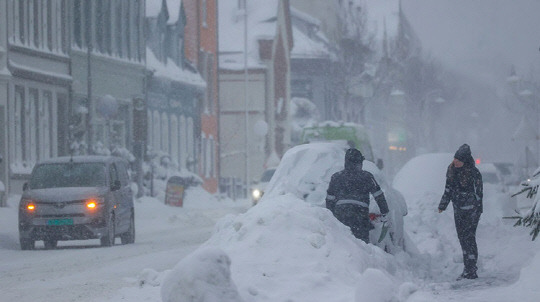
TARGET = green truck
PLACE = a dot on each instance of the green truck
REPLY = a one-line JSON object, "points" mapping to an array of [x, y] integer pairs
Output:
{"points": [[354, 134]]}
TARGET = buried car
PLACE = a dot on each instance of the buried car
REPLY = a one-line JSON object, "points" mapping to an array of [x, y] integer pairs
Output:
{"points": [[72, 198], [305, 171], [257, 190]]}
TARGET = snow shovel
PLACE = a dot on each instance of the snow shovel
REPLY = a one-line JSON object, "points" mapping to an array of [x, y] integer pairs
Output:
{"points": [[384, 231]]}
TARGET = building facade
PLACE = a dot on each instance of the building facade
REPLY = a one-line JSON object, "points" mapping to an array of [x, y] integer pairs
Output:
{"points": [[108, 70], [35, 83], [254, 86], [174, 87], [201, 50]]}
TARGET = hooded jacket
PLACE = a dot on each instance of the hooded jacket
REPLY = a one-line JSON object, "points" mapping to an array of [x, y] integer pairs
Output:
{"points": [[353, 183], [464, 186]]}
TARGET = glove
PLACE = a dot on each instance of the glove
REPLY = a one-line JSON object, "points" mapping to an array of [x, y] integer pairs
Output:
{"points": [[384, 219]]}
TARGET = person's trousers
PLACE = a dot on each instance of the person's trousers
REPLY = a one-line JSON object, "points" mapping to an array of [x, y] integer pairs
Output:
{"points": [[355, 217], [466, 224]]}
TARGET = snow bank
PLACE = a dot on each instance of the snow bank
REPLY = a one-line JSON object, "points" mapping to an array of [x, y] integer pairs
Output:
{"points": [[288, 250], [203, 276], [424, 174]]}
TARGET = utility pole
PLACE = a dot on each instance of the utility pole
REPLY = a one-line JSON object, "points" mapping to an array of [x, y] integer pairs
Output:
{"points": [[246, 79], [89, 47]]}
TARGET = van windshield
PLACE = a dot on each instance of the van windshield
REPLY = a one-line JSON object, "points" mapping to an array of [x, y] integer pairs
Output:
{"points": [[68, 175]]}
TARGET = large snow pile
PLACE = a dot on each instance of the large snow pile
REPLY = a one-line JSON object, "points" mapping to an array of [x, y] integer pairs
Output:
{"points": [[288, 250], [201, 276]]}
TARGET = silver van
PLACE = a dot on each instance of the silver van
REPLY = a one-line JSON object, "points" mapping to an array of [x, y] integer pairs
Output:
{"points": [[73, 198]]}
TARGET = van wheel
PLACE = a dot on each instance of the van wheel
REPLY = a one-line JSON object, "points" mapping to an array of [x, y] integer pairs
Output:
{"points": [[50, 244], [27, 244], [108, 239], [129, 236]]}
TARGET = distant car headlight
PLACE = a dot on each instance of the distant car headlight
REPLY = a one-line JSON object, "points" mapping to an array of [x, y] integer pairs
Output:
{"points": [[256, 193]]}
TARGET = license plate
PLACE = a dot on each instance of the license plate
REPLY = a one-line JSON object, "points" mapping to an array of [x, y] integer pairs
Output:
{"points": [[67, 221]]}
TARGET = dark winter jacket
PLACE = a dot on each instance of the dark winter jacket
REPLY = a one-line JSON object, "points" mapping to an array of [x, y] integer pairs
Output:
{"points": [[464, 186], [353, 184]]}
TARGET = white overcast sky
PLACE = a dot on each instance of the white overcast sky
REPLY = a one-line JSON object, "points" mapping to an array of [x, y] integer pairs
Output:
{"points": [[476, 35]]}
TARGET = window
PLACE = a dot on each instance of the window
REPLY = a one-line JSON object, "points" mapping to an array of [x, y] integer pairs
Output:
{"points": [[100, 26], [77, 23], [86, 10], [190, 143], [212, 156], [64, 28], [135, 29], [50, 26], [157, 131], [204, 13], [22, 18], [62, 175], [118, 28], [19, 126], [45, 117], [36, 20], [32, 129], [164, 133], [113, 174], [174, 139], [183, 141], [107, 43], [149, 130], [204, 155], [126, 28]]}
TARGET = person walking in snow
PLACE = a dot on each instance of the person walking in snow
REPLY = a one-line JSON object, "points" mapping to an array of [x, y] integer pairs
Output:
{"points": [[348, 195], [464, 188]]}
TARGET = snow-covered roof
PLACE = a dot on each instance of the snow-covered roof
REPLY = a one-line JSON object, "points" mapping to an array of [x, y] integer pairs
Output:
{"points": [[171, 71], [261, 19], [306, 47], [153, 7], [174, 10]]}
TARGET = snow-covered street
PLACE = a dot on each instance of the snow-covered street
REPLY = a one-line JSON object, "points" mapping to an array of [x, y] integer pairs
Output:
{"points": [[283, 249], [84, 271]]}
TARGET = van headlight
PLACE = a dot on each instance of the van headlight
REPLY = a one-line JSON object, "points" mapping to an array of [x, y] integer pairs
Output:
{"points": [[93, 203], [256, 193]]}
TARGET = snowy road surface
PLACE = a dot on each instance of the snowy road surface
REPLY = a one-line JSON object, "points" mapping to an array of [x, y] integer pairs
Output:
{"points": [[322, 261], [84, 271]]}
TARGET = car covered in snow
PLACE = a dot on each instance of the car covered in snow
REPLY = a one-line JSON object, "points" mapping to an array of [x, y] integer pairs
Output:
{"points": [[305, 171], [73, 198], [491, 176], [257, 190]]}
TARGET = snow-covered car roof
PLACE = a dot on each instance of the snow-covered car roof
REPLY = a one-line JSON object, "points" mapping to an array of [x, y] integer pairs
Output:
{"points": [[487, 168], [305, 171]]}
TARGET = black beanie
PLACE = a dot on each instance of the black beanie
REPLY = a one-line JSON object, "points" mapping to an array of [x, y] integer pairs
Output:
{"points": [[463, 153], [354, 156]]}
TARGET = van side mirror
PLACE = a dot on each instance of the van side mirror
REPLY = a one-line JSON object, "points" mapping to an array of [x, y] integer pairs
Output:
{"points": [[115, 186], [25, 186]]}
